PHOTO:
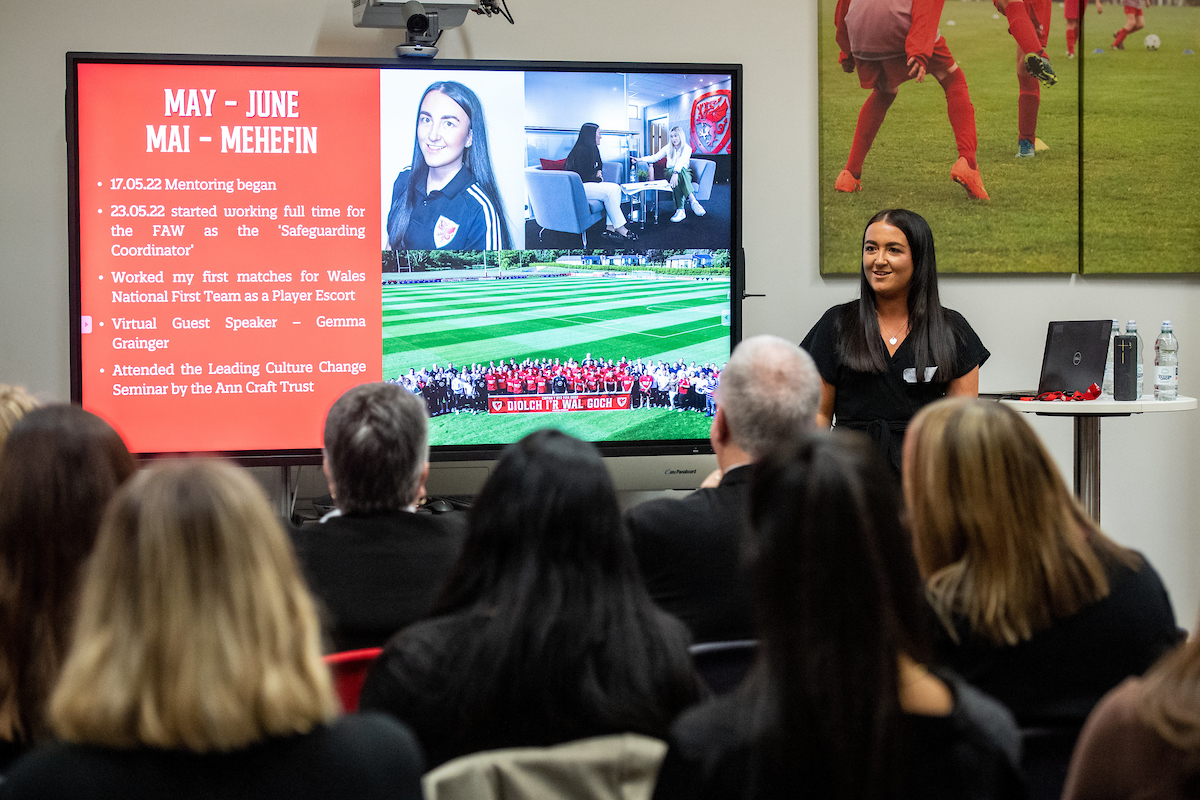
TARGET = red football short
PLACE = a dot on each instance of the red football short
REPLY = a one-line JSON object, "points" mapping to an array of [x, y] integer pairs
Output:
{"points": [[888, 74], [1071, 9]]}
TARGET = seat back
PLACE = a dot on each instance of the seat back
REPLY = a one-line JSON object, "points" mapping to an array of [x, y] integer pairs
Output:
{"points": [[349, 669], [723, 665], [618, 767], [704, 170], [1046, 754], [558, 202]]}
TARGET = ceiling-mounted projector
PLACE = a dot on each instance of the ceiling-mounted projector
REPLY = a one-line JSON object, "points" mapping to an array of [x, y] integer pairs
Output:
{"points": [[396, 14], [422, 22]]}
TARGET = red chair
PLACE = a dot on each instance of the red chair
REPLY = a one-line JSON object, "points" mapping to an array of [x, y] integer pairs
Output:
{"points": [[349, 670]]}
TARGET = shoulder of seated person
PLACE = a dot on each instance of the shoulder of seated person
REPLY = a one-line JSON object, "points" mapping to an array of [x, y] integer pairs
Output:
{"points": [[981, 712], [927, 696]]}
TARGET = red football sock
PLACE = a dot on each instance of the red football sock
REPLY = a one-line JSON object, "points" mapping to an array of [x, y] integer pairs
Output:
{"points": [[1121, 34], [869, 119], [1071, 41], [962, 115], [1027, 105], [1021, 27]]}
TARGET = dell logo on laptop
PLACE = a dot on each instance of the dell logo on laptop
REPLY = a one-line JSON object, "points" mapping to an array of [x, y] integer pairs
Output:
{"points": [[1078, 357]]}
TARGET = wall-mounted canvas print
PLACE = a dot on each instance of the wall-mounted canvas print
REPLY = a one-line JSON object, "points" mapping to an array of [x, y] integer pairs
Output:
{"points": [[1141, 123], [966, 113]]}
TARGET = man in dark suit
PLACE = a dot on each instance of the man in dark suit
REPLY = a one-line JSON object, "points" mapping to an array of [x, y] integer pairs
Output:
{"points": [[377, 563], [689, 550]]}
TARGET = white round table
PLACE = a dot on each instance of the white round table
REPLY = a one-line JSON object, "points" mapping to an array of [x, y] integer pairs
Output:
{"points": [[1087, 415]]}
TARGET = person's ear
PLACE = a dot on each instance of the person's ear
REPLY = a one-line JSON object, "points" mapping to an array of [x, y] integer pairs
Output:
{"points": [[328, 475], [719, 431], [419, 497]]}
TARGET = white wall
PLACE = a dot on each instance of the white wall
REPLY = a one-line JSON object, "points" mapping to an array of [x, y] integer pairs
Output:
{"points": [[1150, 489]]}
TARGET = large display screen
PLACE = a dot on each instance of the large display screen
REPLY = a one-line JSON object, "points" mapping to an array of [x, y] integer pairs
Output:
{"points": [[251, 237]]}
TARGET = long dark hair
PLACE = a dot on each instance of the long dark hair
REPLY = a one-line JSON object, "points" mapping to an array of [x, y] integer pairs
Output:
{"points": [[570, 630], [58, 470], [476, 158], [860, 345], [586, 153], [839, 599]]}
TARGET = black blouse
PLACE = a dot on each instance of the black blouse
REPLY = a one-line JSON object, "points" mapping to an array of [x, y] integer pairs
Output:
{"points": [[1058, 676], [716, 751], [882, 403], [586, 165]]}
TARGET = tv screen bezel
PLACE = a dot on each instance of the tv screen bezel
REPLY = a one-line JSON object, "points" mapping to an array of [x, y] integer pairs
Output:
{"points": [[309, 456]]}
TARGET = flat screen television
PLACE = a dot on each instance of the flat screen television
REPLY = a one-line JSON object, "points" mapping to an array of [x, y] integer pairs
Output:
{"points": [[252, 236]]}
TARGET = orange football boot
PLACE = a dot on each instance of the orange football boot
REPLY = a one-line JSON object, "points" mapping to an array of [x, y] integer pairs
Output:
{"points": [[847, 182], [969, 179]]}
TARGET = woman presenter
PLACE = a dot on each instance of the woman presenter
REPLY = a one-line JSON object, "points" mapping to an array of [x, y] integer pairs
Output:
{"points": [[895, 349]]}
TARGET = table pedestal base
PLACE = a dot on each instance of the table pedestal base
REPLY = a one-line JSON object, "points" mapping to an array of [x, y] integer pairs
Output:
{"points": [[1087, 464]]}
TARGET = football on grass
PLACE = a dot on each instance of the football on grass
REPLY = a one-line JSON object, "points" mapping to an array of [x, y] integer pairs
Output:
{"points": [[1153, 42]]}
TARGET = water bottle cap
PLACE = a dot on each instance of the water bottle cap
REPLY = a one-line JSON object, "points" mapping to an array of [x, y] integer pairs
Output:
{"points": [[1166, 324], [1132, 324]]}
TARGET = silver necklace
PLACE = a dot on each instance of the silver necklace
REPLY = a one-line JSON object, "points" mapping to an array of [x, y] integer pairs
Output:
{"points": [[892, 340]]}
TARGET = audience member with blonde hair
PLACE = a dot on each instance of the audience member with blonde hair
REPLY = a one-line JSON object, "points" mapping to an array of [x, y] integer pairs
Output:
{"points": [[58, 469], [1038, 607], [195, 666], [1143, 739], [15, 403]]}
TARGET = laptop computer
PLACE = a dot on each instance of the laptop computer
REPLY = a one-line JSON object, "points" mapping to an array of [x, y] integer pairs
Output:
{"points": [[1075, 355], [1074, 358]]}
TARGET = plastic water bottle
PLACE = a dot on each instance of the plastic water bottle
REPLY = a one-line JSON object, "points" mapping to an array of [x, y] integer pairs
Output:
{"points": [[1108, 365], [1131, 330], [1166, 364]]}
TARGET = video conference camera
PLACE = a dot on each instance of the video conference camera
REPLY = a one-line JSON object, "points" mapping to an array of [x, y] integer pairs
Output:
{"points": [[423, 23]]}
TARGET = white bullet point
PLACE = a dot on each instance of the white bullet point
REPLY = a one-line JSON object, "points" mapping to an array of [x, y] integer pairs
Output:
{"points": [[99, 183], [102, 370], [99, 210]]}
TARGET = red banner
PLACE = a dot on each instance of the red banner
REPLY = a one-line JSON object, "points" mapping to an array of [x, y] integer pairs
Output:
{"points": [[526, 403]]}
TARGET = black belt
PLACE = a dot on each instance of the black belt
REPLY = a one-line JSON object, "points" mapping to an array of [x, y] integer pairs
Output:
{"points": [[888, 436]]}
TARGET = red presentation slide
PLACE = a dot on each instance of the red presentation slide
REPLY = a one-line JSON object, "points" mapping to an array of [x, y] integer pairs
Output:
{"points": [[229, 250]]}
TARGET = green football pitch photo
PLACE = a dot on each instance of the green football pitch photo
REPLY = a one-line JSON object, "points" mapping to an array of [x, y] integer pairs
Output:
{"points": [[1031, 222], [493, 320], [1140, 113]]}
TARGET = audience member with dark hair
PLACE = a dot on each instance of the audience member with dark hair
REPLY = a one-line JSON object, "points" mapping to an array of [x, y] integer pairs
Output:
{"points": [[379, 564], [690, 550], [584, 161], [1037, 606], [841, 703], [544, 633], [1143, 739], [195, 668], [894, 349], [58, 469]]}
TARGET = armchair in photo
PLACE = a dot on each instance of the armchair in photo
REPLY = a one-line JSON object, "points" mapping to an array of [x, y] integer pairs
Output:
{"points": [[558, 202]]}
